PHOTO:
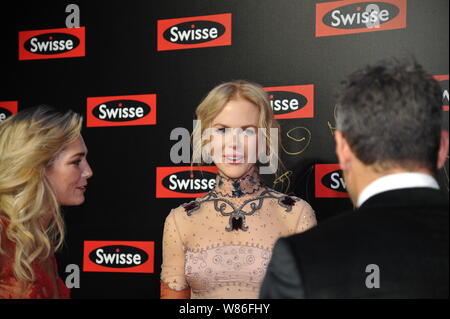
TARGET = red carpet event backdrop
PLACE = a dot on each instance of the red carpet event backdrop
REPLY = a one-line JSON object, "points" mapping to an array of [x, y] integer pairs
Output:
{"points": [[136, 70]]}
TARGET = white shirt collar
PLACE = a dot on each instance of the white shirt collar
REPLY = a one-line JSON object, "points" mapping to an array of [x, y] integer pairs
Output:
{"points": [[396, 181]]}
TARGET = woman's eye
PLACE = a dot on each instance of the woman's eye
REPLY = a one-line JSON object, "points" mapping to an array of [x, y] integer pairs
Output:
{"points": [[249, 131], [220, 130], [77, 162]]}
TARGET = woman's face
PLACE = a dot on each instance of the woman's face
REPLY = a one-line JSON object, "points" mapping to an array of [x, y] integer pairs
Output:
{"points": [[234, 143], [69, 173]]}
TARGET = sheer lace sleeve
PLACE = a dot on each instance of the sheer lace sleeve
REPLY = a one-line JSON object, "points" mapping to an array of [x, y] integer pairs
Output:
{"points": [[172, 268], [307, 217]]}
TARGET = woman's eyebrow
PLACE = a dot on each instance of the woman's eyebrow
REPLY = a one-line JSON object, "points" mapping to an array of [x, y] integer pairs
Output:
{"points": [[243, 127], [79, 154]]}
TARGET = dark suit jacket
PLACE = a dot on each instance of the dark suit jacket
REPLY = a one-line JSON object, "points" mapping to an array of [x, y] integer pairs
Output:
{"points": [[402, 232]]}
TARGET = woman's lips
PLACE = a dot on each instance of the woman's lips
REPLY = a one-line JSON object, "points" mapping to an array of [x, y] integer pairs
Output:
{"points": [[234, 159], [82, 188]]}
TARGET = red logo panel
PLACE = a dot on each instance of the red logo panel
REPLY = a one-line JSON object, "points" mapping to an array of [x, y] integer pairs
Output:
{"points": [[329, 181], [7, 109], [355, 16], [125, 110], [290, 102], [443, 81], [52, 43], [194, 32], [119, 256], [181, 182]]}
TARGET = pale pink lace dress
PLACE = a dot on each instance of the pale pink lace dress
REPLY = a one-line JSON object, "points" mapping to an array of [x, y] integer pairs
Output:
{"points": [[222, 255]]}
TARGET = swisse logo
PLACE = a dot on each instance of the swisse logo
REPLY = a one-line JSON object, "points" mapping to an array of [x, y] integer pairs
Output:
{"points": [[188, 182], [353, 17], [296, 101], [7, 108], [334, 181], [443, 81], [120, 256], [121, 110], [194, 32], [350, 16], [52, 43], [174, 182], [329, 181]]}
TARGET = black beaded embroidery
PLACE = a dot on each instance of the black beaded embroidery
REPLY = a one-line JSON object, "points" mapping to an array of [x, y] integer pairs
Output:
{"points": [[237, 216]]}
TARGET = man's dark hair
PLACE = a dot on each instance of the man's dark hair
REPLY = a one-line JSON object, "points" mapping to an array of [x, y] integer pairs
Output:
{"points": [[390, 113]]}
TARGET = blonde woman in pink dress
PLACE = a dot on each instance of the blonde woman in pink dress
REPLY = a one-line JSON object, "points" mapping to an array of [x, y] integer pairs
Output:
{"points": [[219, 245]]}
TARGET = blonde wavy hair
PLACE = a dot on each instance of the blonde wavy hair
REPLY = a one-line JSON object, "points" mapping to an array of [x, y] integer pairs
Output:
{"points": [[29, 143], [215, 101]]}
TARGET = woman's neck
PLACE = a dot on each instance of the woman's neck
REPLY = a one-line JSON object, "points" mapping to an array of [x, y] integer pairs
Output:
{"points": [[247, 184]]}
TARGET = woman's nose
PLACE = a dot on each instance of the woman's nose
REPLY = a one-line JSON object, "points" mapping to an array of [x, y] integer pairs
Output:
{"points": [[87, 173], [234, 138]]}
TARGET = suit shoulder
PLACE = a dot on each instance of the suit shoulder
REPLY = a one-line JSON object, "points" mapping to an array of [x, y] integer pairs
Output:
{"points": [[327, 231]]}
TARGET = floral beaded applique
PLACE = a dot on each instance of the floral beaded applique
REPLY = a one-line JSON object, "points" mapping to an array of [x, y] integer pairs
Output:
{"points": [[245, 186]]}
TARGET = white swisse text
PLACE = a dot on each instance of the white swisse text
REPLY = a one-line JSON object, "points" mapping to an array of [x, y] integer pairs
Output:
{"points": [[120, 113], [116, 258], [186, 35], [50, 46], [193, 184]]}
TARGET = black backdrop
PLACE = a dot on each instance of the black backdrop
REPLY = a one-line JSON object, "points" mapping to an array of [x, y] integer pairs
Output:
{"points": [[274, 43]]}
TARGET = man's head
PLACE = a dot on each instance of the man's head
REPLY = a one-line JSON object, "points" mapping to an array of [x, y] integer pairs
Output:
{"points": [[388, 120]]}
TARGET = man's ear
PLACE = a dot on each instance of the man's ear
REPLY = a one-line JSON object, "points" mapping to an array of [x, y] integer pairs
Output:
{"points": [[443, 149], [343, 151]]}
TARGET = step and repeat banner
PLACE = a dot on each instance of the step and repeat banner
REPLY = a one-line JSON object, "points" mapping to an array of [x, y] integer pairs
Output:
{"points": [[137, 70]]}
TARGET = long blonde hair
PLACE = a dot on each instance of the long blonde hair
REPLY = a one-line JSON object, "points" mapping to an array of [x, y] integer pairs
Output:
{"points": [[216, 99], [29, 142]]}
